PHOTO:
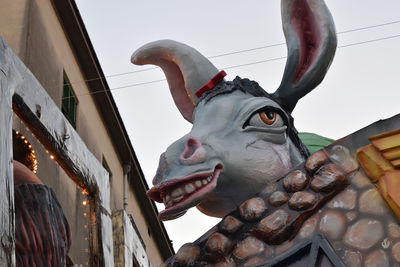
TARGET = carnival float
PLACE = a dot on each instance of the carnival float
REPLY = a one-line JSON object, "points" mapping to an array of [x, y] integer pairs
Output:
{"points": [[243, 161]]}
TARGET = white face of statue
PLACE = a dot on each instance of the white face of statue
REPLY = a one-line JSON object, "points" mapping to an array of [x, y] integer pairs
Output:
{"points": [[238, 145]]}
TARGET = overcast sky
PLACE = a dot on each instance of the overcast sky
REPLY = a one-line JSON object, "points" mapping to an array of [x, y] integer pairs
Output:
{"points": [[361, 86]]}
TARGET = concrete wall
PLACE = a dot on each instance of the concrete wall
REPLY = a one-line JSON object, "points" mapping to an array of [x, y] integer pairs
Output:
{"points": [[13, 23], [33, 30]]}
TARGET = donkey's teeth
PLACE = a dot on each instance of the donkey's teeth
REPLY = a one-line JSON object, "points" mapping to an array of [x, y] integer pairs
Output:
{"points": [[177, 199], [177, 192], [189, 188], [184, 192], [198, 184]]}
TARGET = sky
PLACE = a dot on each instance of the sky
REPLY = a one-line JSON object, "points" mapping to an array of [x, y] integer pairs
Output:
{"points": [[361, 86]]}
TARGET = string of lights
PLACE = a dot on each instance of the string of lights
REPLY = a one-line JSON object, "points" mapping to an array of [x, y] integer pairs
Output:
{"points": [[234, 66], [236, 52], [22, 134], [29, 148]]}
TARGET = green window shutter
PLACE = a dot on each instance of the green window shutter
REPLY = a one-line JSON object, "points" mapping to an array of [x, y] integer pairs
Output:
{"points": [[69, 103], [105, 165]]}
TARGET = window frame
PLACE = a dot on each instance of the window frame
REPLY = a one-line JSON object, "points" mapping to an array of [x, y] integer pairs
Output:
{"points": [[69, 101], [21, 93]]}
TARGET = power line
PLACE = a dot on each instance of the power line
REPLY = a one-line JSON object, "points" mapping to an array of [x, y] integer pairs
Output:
{"points": [[240, 65], [117, 88], [113, 75], [370, 41], [280, 44], [247, 50], [254, 63], [370, 27], [340, 46], [234, 52]]}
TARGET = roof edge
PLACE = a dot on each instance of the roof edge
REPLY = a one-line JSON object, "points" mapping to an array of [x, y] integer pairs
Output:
{"points": [[78, 37]]}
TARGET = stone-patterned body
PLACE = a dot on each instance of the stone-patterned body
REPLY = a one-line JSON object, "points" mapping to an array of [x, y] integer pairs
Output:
{"points": [[352, 216]]}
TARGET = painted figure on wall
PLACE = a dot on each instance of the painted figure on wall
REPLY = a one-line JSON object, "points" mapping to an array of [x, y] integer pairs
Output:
{"points": [[243, 160], [42, 235]]}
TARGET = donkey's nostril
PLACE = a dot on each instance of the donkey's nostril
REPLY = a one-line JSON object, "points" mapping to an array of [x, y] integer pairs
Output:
{"points": [[194, 152], [191, 146]]}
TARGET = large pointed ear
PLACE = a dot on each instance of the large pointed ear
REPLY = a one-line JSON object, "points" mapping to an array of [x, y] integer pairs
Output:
{"points": [[311, 42], [186, 70]]}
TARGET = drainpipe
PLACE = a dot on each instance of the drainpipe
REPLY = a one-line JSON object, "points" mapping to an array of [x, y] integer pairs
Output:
{"points": [[126, 168]]}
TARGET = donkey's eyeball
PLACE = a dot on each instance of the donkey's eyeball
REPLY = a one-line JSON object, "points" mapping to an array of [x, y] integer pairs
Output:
{"points": [[268, 117], [265, 118]]}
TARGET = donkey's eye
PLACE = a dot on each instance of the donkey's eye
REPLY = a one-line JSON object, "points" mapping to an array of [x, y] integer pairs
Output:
{"points": [[268, 117], [265, 118]]}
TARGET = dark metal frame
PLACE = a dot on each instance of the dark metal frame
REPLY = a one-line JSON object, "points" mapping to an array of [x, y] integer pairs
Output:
{"points": [[21, 93], [311, 246]]}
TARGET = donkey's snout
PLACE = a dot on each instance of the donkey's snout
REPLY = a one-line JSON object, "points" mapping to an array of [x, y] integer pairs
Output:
{"points": [[194, 152]]}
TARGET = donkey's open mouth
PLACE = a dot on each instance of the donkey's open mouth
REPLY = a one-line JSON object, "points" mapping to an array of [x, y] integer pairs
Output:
{"points": [[180, 194]]}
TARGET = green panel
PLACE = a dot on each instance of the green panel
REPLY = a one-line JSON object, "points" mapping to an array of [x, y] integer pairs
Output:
{"points": [[314, 142], [105, 165], [69, 102]]}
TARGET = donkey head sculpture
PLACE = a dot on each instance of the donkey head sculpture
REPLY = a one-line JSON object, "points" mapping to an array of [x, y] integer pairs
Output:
{"points": [[242, 137]]}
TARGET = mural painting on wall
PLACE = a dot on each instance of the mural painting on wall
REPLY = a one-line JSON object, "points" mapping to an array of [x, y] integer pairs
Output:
{"points": [[244, 161]]}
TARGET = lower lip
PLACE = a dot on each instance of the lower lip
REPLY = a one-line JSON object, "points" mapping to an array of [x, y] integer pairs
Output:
{"points": [[192, 199]]}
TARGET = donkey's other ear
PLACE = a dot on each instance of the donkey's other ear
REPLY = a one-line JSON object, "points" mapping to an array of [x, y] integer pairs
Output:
{"points": [[311, 41]]}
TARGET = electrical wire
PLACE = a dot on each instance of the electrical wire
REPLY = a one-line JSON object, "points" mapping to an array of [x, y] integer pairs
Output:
{"points": [[118, 88], [280, 44], [236, 66], [340, 46], [370, 41], [234, 52], [370, 27]]}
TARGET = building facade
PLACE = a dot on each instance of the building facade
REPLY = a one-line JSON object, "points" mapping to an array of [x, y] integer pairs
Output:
{"points": [[50, 39]]}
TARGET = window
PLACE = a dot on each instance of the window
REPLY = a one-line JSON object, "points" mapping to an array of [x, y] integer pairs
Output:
{"points": [[105, 165], [69, 102], [107, 168]]}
